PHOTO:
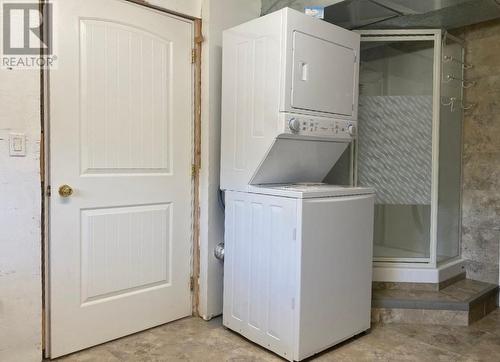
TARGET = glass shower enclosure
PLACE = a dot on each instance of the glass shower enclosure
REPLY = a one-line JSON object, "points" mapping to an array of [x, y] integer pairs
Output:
{"points": [[410, 143]]}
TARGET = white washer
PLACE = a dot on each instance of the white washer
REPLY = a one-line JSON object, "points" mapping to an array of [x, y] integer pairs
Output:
{"points": [[298, 261]]}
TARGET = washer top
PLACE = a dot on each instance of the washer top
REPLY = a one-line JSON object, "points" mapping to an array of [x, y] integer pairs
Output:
{"points": [[306, 190]]}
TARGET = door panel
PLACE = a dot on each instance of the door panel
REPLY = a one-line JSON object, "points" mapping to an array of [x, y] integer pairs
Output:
{"points": [[323, 75], [126, 99], [120, 245], [125, 250], [260, 268]]}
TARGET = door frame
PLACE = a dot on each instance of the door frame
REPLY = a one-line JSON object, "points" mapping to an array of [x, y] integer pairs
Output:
{"points": [[45, 186]]}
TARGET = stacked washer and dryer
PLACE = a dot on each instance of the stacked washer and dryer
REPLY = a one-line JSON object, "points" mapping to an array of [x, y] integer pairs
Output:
{"points": [[298, 253]]}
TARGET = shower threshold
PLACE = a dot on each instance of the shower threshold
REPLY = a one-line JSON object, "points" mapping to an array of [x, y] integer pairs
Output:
{"points": [[419, 272]]}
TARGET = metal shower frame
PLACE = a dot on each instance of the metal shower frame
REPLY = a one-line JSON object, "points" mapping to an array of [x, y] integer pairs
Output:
{"points": [[437, 36]]}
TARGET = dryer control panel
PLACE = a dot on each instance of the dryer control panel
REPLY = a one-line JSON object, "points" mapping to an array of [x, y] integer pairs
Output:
{"points": [[303, 125]]}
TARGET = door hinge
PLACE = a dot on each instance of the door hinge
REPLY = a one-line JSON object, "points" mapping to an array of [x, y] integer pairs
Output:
{"points": [[194, 55], [194, 170], [191, 283], [48, 191]]}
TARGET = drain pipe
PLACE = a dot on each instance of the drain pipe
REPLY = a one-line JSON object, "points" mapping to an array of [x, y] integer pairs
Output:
{"points": [[219, 249], [219, 252]]}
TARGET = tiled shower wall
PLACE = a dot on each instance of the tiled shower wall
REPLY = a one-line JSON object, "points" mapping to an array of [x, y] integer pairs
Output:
{"points": [[481, 158]]}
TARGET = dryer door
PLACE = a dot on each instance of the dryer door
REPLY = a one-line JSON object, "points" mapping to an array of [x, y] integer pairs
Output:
{"points": [[324, 75]]}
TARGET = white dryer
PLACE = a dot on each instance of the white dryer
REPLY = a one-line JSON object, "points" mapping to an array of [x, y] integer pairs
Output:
{"points": [[298, 266], [289, 99]]}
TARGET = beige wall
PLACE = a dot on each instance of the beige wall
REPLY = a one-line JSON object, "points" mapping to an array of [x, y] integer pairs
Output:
{"points": [[186, 7], [481, 159], [20, 240]]}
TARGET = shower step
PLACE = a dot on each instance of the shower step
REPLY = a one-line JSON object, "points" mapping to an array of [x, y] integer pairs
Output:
{"points": [[419, 286], [460, 303]]}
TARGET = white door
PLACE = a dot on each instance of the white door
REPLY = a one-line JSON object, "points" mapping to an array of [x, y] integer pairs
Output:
{"points": [[324, 75], [120, 136]]}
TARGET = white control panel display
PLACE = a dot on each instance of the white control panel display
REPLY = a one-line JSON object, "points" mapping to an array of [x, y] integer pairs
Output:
{"points": [[303, 125]]}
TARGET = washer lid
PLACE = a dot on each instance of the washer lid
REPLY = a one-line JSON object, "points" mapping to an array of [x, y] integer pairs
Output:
{"points": [[305, 190]]}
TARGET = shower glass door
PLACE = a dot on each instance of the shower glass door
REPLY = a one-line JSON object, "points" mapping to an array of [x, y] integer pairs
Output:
{"points": [[395, 144]]}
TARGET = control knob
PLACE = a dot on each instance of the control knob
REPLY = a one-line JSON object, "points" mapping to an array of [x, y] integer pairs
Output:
{"points": [[294, 125], [351, 129]]}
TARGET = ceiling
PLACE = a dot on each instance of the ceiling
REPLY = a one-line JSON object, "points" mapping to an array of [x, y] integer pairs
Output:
{"points": [[408, 14]]}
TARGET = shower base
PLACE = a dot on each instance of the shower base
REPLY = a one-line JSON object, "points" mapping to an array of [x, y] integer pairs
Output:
{"points": [[416, 272]]}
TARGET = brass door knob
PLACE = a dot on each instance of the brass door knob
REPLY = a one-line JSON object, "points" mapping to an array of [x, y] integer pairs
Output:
{"points": [[65, 191]]}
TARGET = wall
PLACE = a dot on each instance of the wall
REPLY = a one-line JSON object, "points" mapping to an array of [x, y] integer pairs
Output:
{"points": [[217, 15], [481, 158], [186, 7], [20, 266]]}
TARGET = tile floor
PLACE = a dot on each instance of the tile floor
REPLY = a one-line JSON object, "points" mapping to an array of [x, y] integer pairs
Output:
{"points": [[193, 339]]}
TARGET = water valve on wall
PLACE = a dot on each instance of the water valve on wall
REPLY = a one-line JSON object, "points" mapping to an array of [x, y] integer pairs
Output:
{"points": [[219, 251]]}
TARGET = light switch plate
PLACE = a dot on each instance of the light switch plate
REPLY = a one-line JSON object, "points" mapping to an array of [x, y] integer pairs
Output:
{"points": [[17, 144]]}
